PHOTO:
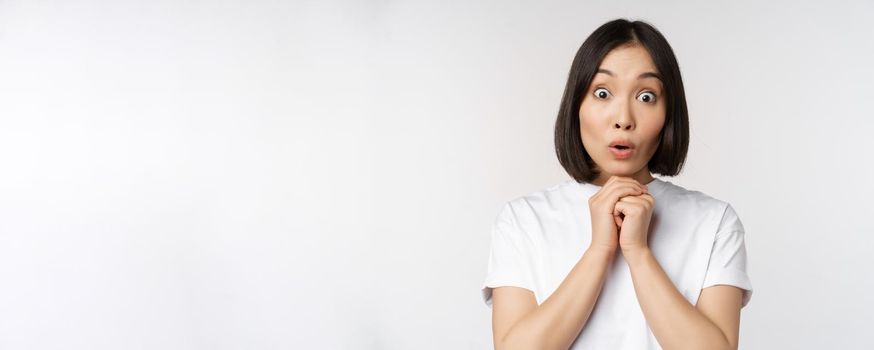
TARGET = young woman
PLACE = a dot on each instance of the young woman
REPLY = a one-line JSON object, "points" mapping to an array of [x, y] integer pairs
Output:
{"points": [[615, 258]]}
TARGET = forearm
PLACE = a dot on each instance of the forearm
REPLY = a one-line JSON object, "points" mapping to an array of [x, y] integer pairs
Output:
{"points": [[560, 318], [675, 322]]}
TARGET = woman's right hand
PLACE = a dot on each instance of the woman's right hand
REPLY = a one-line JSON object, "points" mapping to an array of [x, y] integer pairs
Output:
{"points": [[605, 227]]}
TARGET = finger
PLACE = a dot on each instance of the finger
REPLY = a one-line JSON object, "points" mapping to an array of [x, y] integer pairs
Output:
{"points": [[620, 209], [627, 178], [617, 182], [618, 216], [606, 186], [644, 198], [609, 202], [623, 190], [627, 181], [611, 183], [633, 200], [649, 198], [640, 198], [633, 206]]}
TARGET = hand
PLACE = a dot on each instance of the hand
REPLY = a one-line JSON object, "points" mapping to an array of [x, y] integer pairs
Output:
{"points": [[633, 214], [605, 223]]}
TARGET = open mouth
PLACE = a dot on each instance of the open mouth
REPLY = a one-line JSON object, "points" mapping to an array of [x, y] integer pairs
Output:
{"points": [[622, 151]]}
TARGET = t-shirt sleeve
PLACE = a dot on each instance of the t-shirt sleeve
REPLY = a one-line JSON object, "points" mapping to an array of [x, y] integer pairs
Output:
{"points": [[728, 258], [509, 263]]}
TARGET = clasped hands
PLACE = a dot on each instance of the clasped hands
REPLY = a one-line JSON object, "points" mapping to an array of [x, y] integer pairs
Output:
{"points": [[621, 211]]}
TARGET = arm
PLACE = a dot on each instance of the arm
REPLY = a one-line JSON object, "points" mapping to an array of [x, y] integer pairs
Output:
{"points": [[519, 323], [675, 323]]}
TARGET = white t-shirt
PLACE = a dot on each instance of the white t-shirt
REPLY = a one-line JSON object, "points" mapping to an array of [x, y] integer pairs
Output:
{"points": [[538, 238]]}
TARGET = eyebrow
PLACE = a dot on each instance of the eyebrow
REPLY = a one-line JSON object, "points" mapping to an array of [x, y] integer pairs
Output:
{"points": [[641, 76]]}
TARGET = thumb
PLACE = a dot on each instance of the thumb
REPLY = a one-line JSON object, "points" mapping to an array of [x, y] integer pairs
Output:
{"points": [[618, 216]]}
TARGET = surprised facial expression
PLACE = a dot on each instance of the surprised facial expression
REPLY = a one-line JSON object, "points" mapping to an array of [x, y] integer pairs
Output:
{"points": [[623, 112]]}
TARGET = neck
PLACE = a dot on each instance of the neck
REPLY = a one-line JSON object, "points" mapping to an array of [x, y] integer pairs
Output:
{"points": [[643, 176]]}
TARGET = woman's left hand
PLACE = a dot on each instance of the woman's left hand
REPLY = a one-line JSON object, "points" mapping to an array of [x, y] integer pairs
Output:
{"points": [[633, 214]]}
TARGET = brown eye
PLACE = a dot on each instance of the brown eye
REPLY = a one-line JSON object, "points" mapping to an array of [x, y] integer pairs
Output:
{"points": [[647, 97], [602, 93]]}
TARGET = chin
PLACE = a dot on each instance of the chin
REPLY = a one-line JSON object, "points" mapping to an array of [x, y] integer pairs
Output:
{"points": [[621, 169]]}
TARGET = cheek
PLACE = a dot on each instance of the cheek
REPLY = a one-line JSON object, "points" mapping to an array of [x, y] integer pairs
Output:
{"points": [[650, 120], [587, 122], [588, 115], [652, 132]]}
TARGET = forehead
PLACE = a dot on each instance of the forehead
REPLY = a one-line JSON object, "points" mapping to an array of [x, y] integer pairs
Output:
{"points": [[628, 61]]}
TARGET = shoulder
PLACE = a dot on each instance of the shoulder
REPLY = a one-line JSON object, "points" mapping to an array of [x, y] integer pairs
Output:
{"points": [[678, 199], [547, 203], [551, 198], [674, 194]]}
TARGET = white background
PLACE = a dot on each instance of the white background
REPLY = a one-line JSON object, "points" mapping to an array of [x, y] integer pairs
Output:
{"points": [[323, 175]]}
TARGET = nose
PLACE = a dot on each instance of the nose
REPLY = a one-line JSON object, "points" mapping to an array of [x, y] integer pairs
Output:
{"points": [[624, 120], [624, 125]]}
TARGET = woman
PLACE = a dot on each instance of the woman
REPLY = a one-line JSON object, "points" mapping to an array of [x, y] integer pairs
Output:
{"points": [[615, 258]]}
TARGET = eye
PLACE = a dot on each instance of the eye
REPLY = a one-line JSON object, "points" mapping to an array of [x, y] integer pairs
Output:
{"points": [[647, 97], [601, 93]]}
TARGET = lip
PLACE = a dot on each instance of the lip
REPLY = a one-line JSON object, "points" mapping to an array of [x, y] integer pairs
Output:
{"points": [[624, 153], [622, 142]]}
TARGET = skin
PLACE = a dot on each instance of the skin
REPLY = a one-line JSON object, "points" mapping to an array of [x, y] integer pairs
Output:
{"points": [[619, 105], [622, 102]]}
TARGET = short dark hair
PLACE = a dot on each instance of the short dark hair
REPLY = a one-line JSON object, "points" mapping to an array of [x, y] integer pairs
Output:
{"points": [[673, 139]]}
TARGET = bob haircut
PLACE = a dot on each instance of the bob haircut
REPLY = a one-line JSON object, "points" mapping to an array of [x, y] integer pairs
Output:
{"points": [[673, 143]]}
